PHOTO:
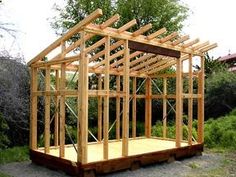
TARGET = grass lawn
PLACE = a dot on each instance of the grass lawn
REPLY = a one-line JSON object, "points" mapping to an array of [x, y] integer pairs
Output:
{"points": [[15, 154]]}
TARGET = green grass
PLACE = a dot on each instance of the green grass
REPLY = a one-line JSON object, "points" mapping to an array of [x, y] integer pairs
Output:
{"points": [[15, 154], [4, 175]]}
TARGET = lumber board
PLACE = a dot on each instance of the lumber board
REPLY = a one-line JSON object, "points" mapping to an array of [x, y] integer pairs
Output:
{"points": [[62, 111], [148, 108], [125, 118], [97, 13], [164, 117], [106, 99], [56, 121], [142, 30], [99, 109], [33, 112], [118, 108], [134, 107], [47, 112], [179, 103], [190, 101], [201, 79], [157, 33], [127, 26], [82, 123]]}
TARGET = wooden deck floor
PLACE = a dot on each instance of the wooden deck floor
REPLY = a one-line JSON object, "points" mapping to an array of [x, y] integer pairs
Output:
{"points": [[136, 147]]}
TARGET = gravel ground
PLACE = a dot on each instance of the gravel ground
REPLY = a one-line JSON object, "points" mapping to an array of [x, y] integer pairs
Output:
{"points": [[183, 168]]}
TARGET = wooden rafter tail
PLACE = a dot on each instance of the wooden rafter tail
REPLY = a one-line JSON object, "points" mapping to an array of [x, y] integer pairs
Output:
{"points": [[112, 57], [112, 47], [144, 63], [127, 26], [180, 40], [195, 41], [134, 54], [199, 46], [144, 57], [110, 21], [169, 37], [142, 30], [95, 45], [157, 33], [94, 15], [209, 47]]}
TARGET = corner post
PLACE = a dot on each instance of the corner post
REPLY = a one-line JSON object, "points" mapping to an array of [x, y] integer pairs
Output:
{"points": [[148, 108], [201, 78], [82, 122], [190, 101], [134, 105], [118, 107], [33, 112], [106, 99], [47, 112], [125, 118], [164, 106], [179, 103]]}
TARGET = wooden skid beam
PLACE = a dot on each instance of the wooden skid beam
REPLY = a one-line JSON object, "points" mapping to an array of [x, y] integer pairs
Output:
{"points": [[153, 49]]}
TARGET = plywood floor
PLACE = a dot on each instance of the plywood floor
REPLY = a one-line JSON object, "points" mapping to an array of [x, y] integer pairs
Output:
{"points": [[136, 146]]}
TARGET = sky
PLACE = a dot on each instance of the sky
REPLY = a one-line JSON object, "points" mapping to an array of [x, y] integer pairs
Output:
{"points": [[208, 20]]}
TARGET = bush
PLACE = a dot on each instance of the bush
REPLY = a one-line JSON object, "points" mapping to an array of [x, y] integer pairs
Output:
{"points": [[4, 140], [221, 132], [16, 154]]}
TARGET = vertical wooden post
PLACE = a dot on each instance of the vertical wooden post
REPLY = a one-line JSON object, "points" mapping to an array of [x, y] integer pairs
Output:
{"points": [[106, 99], [118, 107], [164, 106], [34, 104], [82, 122], [190, 101], [201, 78], [179, 103], [47, 111], [56, 122], [62, 110], [125, 118], [134, 104], [99, 109], [148, 108]]}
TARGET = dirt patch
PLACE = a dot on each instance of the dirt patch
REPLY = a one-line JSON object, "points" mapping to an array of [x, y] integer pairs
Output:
{"points": [[209, 164]]}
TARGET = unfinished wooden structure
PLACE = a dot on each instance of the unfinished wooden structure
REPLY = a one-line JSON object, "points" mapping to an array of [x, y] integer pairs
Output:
{"points": [[128, 57]]}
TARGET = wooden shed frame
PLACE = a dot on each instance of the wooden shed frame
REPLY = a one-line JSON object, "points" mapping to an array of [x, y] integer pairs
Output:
{"points": [[128, 57]]}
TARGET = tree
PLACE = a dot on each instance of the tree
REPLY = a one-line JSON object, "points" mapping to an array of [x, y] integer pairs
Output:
{"points": [[161, 13], [14, 98], [220, 93]]}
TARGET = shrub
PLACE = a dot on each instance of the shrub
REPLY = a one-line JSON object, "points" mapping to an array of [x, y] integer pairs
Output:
{"points": [[221, 132]]}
